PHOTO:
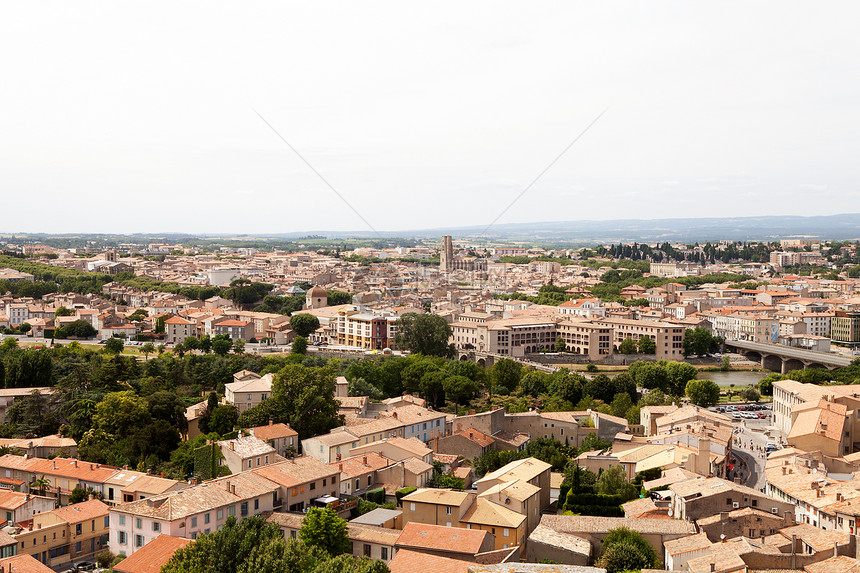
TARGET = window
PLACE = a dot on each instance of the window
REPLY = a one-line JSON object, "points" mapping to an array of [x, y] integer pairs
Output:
{"points": [[256, 504], [138, 523], [244, 509], [506, 532], [232, 510], [220, 514], [122, 538], [78, 547], [194, 521], [138, 540], [367, 550], [313, 485], [205, 518], [107, 521], [156, 526], [411, 506], [324, 482], [728, 501], [447, 511], [122, 520], [384, 554]]}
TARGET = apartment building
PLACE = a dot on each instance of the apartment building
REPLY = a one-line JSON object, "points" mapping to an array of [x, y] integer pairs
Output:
{"points": [[789, 394], [246, 453], [367, 330], [436, 506], [248, 389], [301, 480], [668, 338], [191, 512], [235, 329], [64, 535], [700, 497], [177, 329], [845, 327], [16, 506], [365, 540], [281, 437], [583, 337]]}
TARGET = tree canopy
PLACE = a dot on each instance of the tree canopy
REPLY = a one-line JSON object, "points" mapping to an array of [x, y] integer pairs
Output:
{"points": [[424, 334]]}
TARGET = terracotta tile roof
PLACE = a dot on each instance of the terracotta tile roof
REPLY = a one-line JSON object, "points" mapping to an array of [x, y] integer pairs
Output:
{"points": [[485, 512], [687, 544], [574, 524], [360, 465], [84, 511], [24, 564], [297, 471], [479, 438], [839, 564], [818, 539], [152, 556], [439, 538], [407, 561], [438, 496]]}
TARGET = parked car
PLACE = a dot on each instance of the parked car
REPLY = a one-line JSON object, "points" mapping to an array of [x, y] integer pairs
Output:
{"points": [[85, 566]]}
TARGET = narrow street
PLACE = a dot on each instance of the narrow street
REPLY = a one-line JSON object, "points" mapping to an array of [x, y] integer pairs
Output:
{"points": [[748, 450]]}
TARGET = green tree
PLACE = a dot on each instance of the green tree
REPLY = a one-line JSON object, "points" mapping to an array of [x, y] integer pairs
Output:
{"points": [[63, 311], [222, 344], [623, 556], [620, 405], [147, 349], [460, 390], [559, 344], [646, 345], [300, 345], [304, 324], [699, 341], [637, 553], [703, 393], [322, 528], [426, 334], [223, 419], [78, 329], [113, 345], [238, 346], [749, 394], [613, 481], [627, 346], [505, 376], [305, 394]]}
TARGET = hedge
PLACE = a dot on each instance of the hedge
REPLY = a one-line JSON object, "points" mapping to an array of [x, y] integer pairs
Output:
{"points": [[400, 493], [599, 510], [376, 495]]}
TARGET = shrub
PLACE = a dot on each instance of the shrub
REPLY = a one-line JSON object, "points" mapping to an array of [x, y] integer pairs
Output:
{"points": [[376, 495], [401, 493]]}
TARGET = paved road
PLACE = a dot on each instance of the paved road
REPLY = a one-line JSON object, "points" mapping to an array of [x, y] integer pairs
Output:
{"points": [[749, 451]]}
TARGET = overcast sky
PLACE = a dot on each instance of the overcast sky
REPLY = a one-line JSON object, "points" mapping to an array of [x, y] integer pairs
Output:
{"points": [[139, 117]]}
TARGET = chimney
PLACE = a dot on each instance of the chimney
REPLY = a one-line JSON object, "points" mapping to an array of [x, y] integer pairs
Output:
{"points": [[364, 460], [54, 463], [394, 414], [713, 567], [270, 422], [340, 467], [232, 445], [836, 549], [227, 485], [233, 488], [75, 463]]}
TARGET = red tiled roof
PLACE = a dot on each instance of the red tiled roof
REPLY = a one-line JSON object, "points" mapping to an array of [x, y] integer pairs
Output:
{"points": [[151, 557]]}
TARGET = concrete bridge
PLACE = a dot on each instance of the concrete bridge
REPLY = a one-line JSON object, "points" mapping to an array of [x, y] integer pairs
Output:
{"points": [[781, 358]]}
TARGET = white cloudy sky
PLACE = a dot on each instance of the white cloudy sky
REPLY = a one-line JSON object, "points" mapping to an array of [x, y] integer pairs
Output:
{"points": [[123, 117]]}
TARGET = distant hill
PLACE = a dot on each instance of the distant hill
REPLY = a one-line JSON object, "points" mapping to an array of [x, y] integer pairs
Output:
{"points": [[831, 227]]}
